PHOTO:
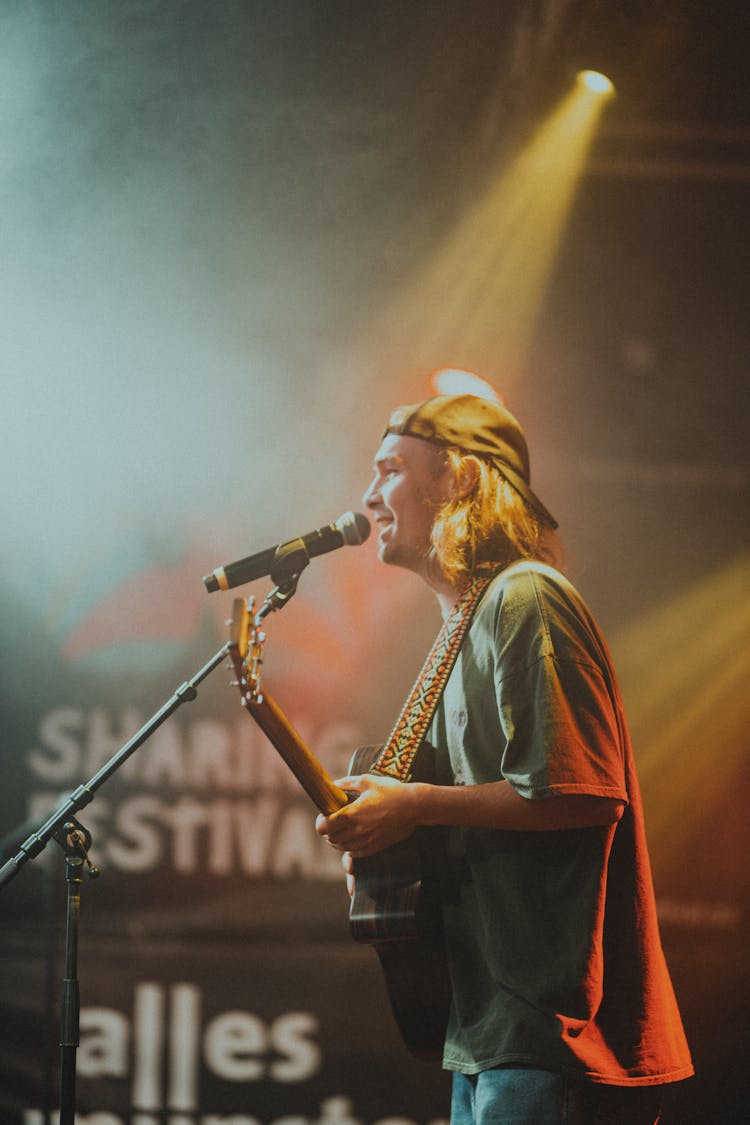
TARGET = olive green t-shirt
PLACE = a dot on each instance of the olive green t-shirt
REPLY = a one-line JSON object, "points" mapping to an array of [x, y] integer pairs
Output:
{"points": [[551, 936]]}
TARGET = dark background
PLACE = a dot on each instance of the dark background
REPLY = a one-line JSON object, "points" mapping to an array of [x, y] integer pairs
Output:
{"points": [[210, 216]]}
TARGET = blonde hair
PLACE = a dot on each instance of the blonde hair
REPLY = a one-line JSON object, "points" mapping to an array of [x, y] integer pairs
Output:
{"points": [[492, 524]]}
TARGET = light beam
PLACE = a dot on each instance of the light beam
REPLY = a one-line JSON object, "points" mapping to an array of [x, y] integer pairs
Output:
{"points": [[477, 300]]}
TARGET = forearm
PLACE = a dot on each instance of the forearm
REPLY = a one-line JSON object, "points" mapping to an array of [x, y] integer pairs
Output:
{"points": [[387, 811], [498, 805]]}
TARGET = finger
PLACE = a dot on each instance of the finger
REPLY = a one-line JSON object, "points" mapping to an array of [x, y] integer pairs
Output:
{"points": [[322, 825], [354, 784]]}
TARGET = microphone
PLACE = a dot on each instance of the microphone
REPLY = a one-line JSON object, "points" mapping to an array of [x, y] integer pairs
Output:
{"points": [[350, 530]]}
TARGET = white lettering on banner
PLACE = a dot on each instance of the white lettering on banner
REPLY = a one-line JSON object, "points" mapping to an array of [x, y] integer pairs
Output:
{"points": [[261, 838], [74, 743], [234, 1041], [336, 1110], [104, 1049], [299, 1055], [256, 822], [233, 1045], [210, 797], [184, 1047], [167, 1025], [58, 759], [148, 1045]]}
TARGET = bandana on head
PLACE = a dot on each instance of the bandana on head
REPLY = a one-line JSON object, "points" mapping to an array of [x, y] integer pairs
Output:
{"points": [[474, 425]]}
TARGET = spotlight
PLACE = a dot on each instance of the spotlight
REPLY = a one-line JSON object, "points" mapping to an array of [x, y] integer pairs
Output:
{"points": [[595, 81], [452, 381]]}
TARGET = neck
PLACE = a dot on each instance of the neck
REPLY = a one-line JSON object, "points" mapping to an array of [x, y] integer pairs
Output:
{"points": [[432, 575], [446, 601], [447, 595]]}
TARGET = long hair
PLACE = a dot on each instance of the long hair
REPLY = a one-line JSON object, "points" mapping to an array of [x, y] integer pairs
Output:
{"points": [[490, 525]]}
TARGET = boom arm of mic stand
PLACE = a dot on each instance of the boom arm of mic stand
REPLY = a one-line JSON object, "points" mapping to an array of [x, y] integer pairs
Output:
{"points": [[84, 794], [75, 840], [290, 561]]}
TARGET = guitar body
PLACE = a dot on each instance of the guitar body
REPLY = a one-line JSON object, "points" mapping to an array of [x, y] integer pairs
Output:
{"points": [[396, 908]]}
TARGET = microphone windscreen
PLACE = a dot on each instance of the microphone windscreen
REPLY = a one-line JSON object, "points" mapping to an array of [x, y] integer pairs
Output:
{"points": [[354, 527]]}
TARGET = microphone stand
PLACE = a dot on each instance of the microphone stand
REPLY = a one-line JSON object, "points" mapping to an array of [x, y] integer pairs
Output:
{"points": [[75, 840]]}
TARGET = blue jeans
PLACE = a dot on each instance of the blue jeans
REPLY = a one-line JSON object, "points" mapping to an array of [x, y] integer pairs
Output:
{"points": [[517, 1095]]}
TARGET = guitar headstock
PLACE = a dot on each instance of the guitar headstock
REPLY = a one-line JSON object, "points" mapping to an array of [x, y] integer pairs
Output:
{"points": [[246, 642]]}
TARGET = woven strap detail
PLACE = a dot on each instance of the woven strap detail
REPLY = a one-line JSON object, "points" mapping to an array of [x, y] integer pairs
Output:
{"points": [[397, 756]]}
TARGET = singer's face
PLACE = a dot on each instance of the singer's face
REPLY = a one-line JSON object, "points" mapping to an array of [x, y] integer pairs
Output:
{"points": [[411, 482]]}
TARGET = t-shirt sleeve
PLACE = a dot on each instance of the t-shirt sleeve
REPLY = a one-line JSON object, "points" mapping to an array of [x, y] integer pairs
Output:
{"points": [[561, 731], [556, 708]]}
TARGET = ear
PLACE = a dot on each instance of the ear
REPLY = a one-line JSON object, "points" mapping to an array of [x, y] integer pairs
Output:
{"points": [[466, 477]]}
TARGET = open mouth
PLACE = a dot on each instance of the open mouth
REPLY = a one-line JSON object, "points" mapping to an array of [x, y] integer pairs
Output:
{"points": [[383, 526]]}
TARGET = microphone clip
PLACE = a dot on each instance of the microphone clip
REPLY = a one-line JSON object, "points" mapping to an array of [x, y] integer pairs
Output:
{"points": [[278, 597], [288, 563]]}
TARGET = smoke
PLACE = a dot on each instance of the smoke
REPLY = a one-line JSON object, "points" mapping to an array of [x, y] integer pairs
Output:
{"points": [[164, 351]]}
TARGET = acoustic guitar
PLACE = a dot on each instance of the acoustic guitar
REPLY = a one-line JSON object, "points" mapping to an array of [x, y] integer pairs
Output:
{"points": [[395, 907]]}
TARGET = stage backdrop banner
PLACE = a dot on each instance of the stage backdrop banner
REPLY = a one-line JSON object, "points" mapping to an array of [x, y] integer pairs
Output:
{"points": [[218, 978], [195, 1032]]}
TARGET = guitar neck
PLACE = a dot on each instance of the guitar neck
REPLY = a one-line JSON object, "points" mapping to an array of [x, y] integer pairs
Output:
{"points": [[322, 791]]}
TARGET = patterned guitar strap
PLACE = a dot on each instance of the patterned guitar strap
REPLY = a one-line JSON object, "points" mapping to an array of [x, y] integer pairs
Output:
{"points": [[397, 756]]}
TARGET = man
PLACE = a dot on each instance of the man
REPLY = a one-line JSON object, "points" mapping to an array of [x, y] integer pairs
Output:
{"points": [[562, 1008]]}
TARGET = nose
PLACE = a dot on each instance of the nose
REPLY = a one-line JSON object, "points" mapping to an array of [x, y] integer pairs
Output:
{"points": [[371, 497]]}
